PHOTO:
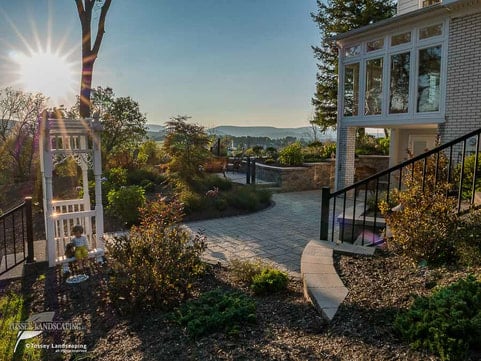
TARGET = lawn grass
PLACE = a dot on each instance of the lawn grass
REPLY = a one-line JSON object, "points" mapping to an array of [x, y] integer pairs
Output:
{"points": [[12, 309]]}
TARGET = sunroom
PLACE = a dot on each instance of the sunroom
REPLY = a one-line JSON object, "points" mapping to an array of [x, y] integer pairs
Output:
{"points": [[392, 74]]}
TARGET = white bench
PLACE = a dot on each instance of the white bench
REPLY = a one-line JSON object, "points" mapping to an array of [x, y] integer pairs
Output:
{"points": [[67, 214]]}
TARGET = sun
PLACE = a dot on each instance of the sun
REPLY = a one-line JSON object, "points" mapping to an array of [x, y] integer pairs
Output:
{"points": [[46, 72]]}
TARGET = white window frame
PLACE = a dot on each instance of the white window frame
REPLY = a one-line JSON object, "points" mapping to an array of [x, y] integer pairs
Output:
{"points": [[386, 118]]}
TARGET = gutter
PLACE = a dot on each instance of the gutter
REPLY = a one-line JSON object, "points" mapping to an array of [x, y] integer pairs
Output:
{"points": [[445, 6]]}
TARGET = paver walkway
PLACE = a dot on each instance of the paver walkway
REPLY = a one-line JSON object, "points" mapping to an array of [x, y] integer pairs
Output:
{"points": [[278, 234], [282, 235]]}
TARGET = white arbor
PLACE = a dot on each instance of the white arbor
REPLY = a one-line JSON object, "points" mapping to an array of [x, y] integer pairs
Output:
{"points": [[79, 139]]}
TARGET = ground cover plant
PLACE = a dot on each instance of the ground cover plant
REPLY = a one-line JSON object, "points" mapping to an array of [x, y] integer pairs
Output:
{"points": [[447, 323], [260, 276], [216, 311], [269, 281]]}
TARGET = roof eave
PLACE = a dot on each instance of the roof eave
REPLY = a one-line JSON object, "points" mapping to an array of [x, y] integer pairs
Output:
{"points": [[398, 20]]}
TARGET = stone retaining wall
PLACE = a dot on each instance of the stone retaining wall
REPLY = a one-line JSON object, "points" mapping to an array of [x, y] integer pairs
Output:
{"points": [[316, 175]]}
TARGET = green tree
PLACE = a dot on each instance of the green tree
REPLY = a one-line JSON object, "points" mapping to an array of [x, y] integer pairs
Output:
{"points": [[85, 9], [335, 17], [124, 124], [18, 128], [187, 146]]}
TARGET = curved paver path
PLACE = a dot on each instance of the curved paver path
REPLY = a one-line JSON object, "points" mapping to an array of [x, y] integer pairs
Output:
{"points": [[278, 234], [284, 235]]}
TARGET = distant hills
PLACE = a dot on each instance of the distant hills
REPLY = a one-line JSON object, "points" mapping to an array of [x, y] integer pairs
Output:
{"points": [[269, 132]]}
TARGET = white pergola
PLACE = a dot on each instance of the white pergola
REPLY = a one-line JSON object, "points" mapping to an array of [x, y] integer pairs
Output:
{"points": [[79, 139]]}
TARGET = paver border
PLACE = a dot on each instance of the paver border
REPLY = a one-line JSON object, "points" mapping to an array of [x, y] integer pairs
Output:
{"points": [[322, 285]]}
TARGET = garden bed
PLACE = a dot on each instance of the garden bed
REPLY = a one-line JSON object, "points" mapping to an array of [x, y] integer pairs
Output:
{"points": [[287, 328]]}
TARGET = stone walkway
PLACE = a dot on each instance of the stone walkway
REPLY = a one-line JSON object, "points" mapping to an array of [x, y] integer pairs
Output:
{"points": [[278, 234], [284, 235]]}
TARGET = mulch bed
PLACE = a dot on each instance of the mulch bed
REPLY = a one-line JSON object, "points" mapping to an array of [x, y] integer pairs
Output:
{"points": [[288, 327]]}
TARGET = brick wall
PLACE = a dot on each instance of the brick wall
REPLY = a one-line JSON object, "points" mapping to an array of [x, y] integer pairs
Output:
{"points": [[345, 152], [463, 89]]}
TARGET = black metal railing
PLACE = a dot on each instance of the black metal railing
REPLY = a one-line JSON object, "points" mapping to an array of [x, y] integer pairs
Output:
{"points": [[352, 215], [16, 236]]}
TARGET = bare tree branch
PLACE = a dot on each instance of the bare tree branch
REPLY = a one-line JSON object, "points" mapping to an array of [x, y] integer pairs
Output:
{"points": [[101, 27]]}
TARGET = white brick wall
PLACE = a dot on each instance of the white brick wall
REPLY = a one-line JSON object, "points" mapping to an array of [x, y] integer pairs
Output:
{"points": [[345, 155], [463, 90]]}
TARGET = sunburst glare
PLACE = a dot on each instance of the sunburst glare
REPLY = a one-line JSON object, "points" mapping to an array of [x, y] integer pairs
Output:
{"points": [[45, 72], [38, 63]]}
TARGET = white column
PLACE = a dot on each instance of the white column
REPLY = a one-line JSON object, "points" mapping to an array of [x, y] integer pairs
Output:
{"points": [[99, 212], [47, 171], [83, 145], [394, 147]]}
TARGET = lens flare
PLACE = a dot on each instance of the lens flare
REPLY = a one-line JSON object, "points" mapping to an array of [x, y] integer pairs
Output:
{"points": [[45, 72]]}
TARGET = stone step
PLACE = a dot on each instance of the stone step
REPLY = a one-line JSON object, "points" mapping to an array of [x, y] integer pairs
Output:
{"points": [[322, 285]]}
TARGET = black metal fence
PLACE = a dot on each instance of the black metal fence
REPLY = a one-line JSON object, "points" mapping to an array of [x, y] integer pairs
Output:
{"points": [[352, 215], [16, 236]]}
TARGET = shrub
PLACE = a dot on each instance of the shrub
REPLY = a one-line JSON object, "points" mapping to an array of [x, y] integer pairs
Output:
{"points": [[191, 201], [117, 177], [156, 266], [215, 311], [425, 226], [204, 182], [124, 203], [317, 151], [271, 152], [261, 277], [269, 281], [373, 204], [468, 239], [244, 199], [291, 155], [248, 197], [220, 204], [244, 271], [368, 144], [328, 149], [140, 176], [448, 323], [468, 175]]}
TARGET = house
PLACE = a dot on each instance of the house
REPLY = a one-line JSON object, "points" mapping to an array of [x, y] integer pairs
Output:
{"points": [[417, 73]]}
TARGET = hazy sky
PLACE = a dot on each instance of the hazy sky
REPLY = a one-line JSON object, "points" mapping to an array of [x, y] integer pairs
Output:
{"points": [[223, 62]]}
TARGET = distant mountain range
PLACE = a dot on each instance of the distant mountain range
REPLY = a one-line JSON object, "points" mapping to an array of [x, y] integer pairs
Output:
{"points": [[269, 132]]}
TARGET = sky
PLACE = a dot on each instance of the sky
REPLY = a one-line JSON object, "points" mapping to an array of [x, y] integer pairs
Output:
{"points": [[222, 62]]}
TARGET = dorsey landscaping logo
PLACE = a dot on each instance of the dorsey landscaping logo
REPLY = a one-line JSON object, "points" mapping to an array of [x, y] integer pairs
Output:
{"points": [[40, 322]]}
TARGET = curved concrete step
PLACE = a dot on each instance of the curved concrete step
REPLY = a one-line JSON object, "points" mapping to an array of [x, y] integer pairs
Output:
{"points": [[322, 285]]}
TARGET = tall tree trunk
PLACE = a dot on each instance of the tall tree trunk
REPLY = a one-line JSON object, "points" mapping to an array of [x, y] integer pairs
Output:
{"points": [[85, 87], [89, 52]]}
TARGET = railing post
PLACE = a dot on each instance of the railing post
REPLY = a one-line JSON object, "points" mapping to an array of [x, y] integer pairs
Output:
{"points": [[29, 219], [326, 195], [248, 170], [253, 172]]}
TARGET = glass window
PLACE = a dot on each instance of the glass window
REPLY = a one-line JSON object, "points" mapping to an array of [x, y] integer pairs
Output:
{"points": [[400, 39], [375, 45], [353, 50], [430, 31], [373, 96], [351, 89], [427, 3], [429, 79], [399, 83]]}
